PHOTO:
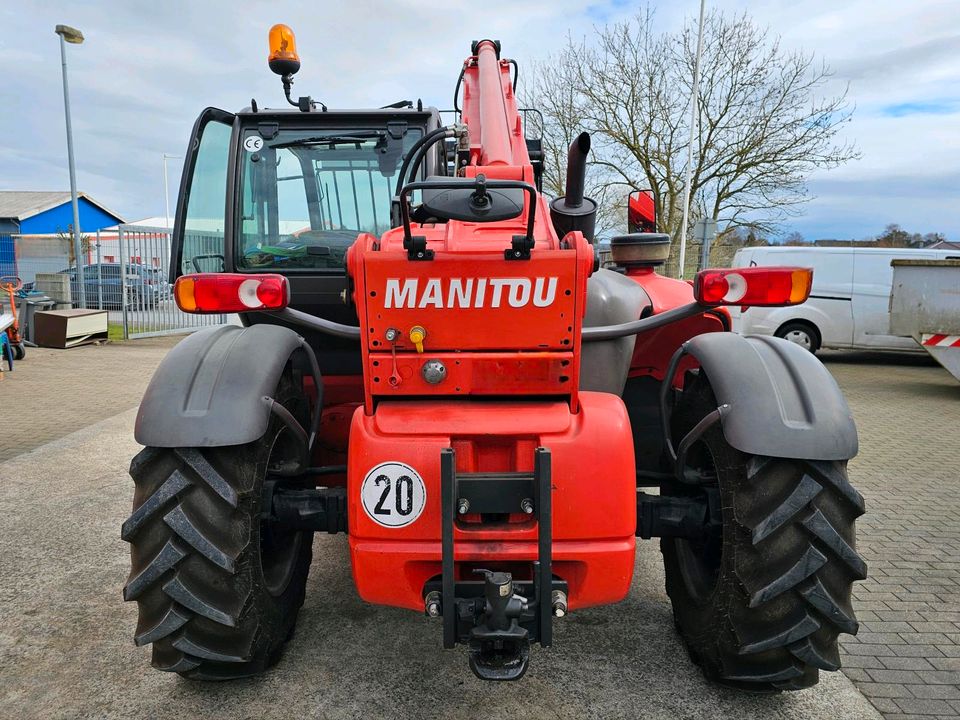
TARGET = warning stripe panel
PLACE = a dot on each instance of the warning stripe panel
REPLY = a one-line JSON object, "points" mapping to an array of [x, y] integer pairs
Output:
{"points": [[940, 340]]}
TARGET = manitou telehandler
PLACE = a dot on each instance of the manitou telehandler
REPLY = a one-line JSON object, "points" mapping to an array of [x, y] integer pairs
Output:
{"points": [[431, 361]]}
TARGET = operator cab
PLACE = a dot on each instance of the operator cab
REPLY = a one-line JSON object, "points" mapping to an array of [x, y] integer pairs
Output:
{"points": [[287, 191]]}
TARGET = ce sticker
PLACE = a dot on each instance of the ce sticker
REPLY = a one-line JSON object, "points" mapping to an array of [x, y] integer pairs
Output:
{"points": [[253, 143], [393, 494]]}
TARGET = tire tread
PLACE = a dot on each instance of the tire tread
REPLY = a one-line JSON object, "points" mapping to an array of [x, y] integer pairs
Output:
{"points": [[194, 594], [788, 565]]}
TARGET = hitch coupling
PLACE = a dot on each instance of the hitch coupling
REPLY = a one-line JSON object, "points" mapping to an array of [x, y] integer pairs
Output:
{"points": [[499, 648]]}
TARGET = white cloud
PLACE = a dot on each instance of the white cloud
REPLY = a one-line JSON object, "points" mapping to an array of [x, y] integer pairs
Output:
{"points": [[148, 68]]}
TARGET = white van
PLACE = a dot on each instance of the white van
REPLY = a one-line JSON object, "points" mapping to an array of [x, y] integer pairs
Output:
{"points": [[849, 306]]}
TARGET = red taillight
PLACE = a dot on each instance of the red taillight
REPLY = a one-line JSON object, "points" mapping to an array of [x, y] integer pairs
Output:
{"points": [[756, 286], [231, 292]]}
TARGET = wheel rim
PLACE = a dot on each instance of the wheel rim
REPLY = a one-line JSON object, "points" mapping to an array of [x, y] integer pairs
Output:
{"points": [[278, 556], [700, 561], [279, 547], [800, 337]]}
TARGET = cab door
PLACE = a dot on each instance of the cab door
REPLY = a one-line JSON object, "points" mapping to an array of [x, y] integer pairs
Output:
{"points": [[199, 230]]}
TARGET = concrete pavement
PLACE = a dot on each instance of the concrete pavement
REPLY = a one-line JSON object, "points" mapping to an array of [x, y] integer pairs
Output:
{"points": [[54, 392], [66, 646]]}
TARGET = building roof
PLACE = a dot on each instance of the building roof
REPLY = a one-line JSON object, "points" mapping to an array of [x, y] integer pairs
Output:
{"points": [[945, 245], [157, 221], [23, 204]]}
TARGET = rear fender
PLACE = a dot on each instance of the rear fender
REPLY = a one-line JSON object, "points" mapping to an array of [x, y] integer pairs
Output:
{"points": [[210, 389], [782, 400]]}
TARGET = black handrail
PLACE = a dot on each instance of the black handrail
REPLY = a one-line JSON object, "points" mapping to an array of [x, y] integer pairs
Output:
{"points": [[460, 185]]}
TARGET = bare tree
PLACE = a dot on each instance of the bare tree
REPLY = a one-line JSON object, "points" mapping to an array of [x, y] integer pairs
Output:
{"points": [[763, 125], [554, 92]]}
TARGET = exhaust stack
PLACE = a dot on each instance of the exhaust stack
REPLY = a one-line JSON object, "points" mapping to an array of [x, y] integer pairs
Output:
{"points": [[573, 211]]}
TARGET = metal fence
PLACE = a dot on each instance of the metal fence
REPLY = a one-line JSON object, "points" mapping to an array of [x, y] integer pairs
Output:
{"points": [[149, 308], [125, 271]]}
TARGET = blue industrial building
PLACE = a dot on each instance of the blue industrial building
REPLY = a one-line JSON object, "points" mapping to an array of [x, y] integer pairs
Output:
{"points": [[48, 213], [44, 214]]}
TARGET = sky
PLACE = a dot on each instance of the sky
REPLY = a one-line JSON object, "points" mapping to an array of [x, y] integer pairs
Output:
{"points": [[147, 69]]}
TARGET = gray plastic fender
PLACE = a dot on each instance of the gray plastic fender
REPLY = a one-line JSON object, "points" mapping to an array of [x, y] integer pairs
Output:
{"points": [[783, 401], [209, 390], [612, 299]]}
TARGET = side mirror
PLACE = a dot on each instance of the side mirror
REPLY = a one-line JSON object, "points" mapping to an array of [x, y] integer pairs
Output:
{"points": [[474, 202], [641, 212]]}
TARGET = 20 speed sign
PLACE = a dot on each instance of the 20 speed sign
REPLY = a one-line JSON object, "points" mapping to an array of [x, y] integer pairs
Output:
{"points": [[393, 494]]}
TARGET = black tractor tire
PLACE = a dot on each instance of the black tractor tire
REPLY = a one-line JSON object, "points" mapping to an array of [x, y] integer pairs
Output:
{"points": [[218, 590], [801, 333], [760, 607]]}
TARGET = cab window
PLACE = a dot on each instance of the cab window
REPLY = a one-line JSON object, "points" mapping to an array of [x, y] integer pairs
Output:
{"points": [[307, 194]]}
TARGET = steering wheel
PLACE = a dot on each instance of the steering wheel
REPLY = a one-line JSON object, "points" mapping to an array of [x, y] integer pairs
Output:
{"points": [[10, 283]]}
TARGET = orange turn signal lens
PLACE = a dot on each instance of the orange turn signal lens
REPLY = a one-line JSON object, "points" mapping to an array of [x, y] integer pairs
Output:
{"points": [[231, 293], [283, 58], [802, 284], [183, 294], [753, 286]]}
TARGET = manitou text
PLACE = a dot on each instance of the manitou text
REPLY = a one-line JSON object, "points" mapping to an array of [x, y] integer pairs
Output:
{"points": [[470, 292]]}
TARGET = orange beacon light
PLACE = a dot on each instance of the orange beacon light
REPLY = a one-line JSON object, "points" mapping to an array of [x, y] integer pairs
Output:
{"points": [[283, 58]]}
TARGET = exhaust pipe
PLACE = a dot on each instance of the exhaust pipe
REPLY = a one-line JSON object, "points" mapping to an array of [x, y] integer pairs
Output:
{"points": [[573, 211], [577, 169]]}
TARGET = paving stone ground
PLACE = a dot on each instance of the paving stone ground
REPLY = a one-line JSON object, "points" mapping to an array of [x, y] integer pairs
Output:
{"points": [[906, 659], [52, 393]]}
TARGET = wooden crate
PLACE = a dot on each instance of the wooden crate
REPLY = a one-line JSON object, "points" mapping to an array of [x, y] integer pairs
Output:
{"points": [[68, 328]]}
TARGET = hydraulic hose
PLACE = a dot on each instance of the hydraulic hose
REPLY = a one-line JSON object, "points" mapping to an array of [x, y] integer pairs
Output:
{"points": [[422, 153], [421, 144], [318, 384], [329, 327], [611, 332]]}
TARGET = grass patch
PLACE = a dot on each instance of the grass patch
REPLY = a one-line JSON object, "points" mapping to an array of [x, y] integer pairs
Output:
{"points": [[115, 330]]}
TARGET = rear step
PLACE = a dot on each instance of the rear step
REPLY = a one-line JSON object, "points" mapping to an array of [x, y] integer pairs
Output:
{"points": [[497, 617]]}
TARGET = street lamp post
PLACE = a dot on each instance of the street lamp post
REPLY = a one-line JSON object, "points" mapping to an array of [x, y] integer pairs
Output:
{"points": [[694, 135], [72, 35], [166, 185]]}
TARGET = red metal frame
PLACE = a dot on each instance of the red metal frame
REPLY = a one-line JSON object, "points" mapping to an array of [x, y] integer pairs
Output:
{"points": [[653, 350], [508, 333]]}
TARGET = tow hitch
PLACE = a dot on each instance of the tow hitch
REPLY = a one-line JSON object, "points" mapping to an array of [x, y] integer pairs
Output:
{"points": [[497, 617], [499, 647]]}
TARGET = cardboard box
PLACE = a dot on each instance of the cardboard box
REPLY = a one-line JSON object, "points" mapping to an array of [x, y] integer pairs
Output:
{"points": [[68, 328]]}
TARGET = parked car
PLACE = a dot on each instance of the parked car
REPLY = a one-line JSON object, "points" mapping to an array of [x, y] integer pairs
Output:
{"points": [[849, 306], [103, 285]]}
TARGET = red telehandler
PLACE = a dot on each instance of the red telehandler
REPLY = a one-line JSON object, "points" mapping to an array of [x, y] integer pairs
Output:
{"points": [[431, 361]]}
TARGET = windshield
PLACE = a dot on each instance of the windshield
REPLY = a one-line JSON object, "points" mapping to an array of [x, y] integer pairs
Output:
{"points": [[307, 194]]}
